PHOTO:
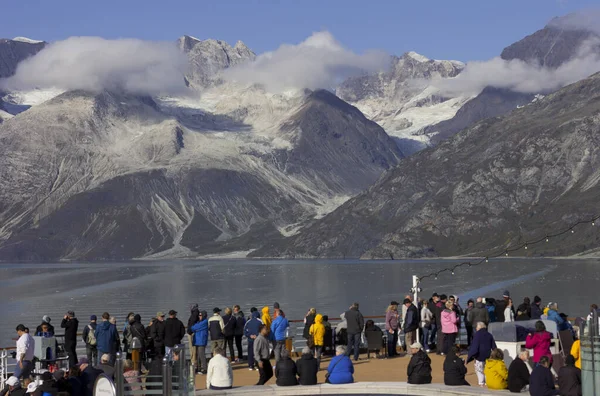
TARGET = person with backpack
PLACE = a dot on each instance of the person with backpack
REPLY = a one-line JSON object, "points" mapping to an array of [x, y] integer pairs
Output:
{"points": [[136, 330], [194, 315], [91, 344]]}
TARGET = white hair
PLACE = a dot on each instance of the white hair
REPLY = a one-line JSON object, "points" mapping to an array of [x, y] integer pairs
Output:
{"points": [[340, 349], [481, 325], [306, 351]]}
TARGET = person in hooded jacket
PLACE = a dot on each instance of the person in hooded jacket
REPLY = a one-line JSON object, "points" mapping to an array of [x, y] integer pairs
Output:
{"points": [[193, 319], [419, 367], [524, 310], [576, 347], [230, 322], [279, 330], [268, 321], [536, 308], [200, 331], [135, 330], [307, 367], [553, 315], [309, 319], [317, 331], [569, 378], [106, 336], [541, 381], [490, 305], [540, 342], [45, 321], [285, 370], [239, 331], [251, 331], [341, 330], [174, 333], [496, 374], [455, 369], [481, 348]]}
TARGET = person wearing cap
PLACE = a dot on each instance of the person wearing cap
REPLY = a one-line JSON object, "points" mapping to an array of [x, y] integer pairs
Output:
{"points": [[200, 331], [215, 330], [419, 367], [32, 387], [89, 338], [158, 335], [45, 321], [174, 333], [25, 351], [411, 323], [70, 324], [106, 337], [13, 387], [501, 306], [536, 308]]}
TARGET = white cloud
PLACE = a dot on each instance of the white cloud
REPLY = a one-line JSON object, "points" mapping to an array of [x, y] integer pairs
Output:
{"points": [[94, 64], [581, 20], [521, 76], [317, 62]]}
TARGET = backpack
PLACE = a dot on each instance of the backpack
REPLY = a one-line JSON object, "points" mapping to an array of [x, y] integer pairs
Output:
{"points": [[91, 337]]}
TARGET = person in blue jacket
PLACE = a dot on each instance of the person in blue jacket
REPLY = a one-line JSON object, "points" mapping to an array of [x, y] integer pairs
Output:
{"points": [[251, 331], [200, 330], [279, 330], [340, 369], [553, 314], [106, 337]]}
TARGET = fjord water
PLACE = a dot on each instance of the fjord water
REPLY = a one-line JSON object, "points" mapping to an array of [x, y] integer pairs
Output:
{"points": [[29, 291]]}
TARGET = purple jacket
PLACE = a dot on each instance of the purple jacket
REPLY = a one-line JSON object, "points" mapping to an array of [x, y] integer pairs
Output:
{"points": [[391, 320]]}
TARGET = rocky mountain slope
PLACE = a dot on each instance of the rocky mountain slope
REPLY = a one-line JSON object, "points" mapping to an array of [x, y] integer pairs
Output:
{"points": [[501, 182], [207, 58], [113, 176], [550, 47], [14, 51], [402, 99]]}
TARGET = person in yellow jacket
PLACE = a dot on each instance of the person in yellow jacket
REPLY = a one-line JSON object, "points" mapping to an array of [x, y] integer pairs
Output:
{"points": [[267, 321], [317, 331], [576, 348], [496, 374]]}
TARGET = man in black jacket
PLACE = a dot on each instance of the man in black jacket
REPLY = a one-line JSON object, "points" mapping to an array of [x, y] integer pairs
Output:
{"points": [[70, 324], [419, 367], [285, 370], [239, 330], [541, 381], [411, 323], [518, 373], [536, 308], [174, 333], [455, 369], [194, 315], [158, 335], [307, 367], [356, 323], [569, 378]]}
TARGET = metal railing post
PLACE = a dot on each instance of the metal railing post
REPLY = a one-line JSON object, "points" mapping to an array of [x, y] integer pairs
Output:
{"points": [[3, 368], [119, 378], [182, 369], [166, 377]]}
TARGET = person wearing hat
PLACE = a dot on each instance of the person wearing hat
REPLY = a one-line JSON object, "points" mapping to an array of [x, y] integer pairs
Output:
{"points": [[174, 333], [45, 321], [13, 387], [200, 331], [216, 326], [25, 351], [32, 387], [89, 338], [70, 324], [411, 323], [419, 367], [501, 306], [158, 335], [536, 308]]}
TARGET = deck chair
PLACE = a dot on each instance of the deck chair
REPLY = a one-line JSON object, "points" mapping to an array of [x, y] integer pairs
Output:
{"points": [[557, 362], [566, 342], [374, 342]]}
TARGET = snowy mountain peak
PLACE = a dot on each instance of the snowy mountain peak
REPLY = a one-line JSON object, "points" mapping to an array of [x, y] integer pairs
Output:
{"points": [[417, 57], [27, 40]]}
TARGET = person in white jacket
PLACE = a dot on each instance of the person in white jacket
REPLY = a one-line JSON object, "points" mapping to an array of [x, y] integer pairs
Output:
{"points": [[219, 374], [509, 315]]}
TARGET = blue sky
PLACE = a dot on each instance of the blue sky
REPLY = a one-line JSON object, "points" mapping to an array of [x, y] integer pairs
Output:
{"points": [[463, 30]]}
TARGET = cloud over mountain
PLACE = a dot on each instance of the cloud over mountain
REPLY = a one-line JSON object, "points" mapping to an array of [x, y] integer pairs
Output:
{"points": [[94, 64], [320, 61]]}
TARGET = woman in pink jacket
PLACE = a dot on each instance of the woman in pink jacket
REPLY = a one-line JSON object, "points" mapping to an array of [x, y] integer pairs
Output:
{"points": [[449, 327], [540, 342]]}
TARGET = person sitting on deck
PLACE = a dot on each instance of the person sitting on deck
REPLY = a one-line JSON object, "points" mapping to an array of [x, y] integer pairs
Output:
{"points": [[541, 382], [341, 369], [219, 374], [285, 370], [419, 367], [496, 374], [569, 378], [518, 374], [307, 367], [455, 369]]}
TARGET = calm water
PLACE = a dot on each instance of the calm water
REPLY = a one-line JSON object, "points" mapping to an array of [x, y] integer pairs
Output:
{"points": [[29, 291]]}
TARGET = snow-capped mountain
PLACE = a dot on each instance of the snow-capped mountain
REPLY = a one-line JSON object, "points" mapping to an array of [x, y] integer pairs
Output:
{"points": [[207, 58], [14, 51], [402, 100], [111, 176]]}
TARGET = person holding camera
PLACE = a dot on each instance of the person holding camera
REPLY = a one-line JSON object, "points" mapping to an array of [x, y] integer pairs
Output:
{"points": [[70, 324]]}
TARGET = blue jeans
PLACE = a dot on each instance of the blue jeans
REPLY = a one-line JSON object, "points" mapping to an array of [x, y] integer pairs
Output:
{"points": [[425, 331], [392, 340], [433, 332], [353, 343], [169, 353], [25, 371]]}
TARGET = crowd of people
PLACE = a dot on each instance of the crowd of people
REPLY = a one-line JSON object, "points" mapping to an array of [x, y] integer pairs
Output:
{"points": [[437, 320]]}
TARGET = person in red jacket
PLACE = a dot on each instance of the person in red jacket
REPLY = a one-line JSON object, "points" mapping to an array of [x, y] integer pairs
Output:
{"points": [[540, 342]]}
